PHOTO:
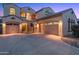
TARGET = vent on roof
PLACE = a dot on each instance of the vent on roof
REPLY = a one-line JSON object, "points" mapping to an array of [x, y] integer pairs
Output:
{"points": [[12, 18], [29, 9]]}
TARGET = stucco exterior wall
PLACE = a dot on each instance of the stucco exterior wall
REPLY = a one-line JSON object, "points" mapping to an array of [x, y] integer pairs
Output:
{"points": [[6, 10], [49, 28], [9, 19], [65, 18]]}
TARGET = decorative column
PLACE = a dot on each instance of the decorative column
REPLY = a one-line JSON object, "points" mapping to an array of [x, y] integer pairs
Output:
{"points": [[26, 27], [4, 28], [37, 28], [20, 28], [42, 28], [60, 28]]}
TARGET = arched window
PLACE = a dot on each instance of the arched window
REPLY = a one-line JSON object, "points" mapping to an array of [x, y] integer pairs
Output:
{"points": [[12, 11], [22, 14]]}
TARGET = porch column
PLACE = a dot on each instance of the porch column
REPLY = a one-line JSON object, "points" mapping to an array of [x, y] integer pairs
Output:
{"points": [[37, 28], [4, 28], [26, 27], [60, 28], [20, 26], [42, 28]]}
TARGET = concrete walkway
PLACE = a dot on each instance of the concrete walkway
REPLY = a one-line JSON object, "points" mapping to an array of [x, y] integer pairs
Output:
{"points": [[35, 44]]}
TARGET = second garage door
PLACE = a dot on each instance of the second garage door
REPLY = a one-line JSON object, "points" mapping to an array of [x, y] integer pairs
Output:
{"points": [[12, 28], [52, 29]]}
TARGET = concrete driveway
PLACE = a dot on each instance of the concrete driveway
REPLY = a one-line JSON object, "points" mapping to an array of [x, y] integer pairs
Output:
{"points": [[34, 44]]}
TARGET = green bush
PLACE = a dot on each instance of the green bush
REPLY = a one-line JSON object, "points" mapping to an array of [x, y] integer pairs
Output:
{"points": [[75, 29]]}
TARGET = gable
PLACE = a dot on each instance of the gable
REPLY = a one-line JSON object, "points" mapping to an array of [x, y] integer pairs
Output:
{"points": [[27, 9], [6, 9], [44, 12], [69, 14], [11, 19]]}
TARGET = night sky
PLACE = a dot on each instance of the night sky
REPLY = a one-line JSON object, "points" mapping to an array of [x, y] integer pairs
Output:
{"points": [[55, 6]]}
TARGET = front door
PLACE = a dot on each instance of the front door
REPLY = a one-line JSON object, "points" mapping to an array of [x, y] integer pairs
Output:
{"points": [[31, 28], [24, 28]]}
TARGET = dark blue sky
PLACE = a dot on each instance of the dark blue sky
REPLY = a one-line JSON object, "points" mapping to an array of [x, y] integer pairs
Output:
{"points": [[55, 6]]}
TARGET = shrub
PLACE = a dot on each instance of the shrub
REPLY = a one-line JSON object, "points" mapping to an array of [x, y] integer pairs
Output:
{"points": [[75, 29]]}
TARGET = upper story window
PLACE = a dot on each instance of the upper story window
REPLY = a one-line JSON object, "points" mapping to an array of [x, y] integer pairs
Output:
{"points": [[33, 16], [28, 16], [12, 11], [47, 12], [23, 14]]}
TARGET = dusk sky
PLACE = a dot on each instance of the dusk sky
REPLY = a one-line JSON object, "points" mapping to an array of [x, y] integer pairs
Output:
{"points": [[57, 7]]}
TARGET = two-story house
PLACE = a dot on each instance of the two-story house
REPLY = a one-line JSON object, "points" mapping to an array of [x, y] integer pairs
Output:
{"points": [[26, 20]]}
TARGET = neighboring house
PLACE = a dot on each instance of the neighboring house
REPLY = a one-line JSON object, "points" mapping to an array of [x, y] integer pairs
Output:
{"points": [[27, 20]]}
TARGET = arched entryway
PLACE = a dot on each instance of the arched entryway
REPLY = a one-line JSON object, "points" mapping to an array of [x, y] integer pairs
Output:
{"points": [[23, 28], [31, 28]]}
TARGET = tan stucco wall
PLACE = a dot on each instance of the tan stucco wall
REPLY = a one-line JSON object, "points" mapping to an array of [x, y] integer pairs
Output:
{"points": [[49, 28], [65, 18]]}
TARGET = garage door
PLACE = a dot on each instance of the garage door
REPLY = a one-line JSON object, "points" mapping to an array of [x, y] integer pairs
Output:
{"points": [[52, 29], [14, 28]]}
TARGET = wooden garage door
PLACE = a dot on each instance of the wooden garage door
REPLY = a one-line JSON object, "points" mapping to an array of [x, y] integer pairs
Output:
{"points": [[52, 29], [12, 28]]}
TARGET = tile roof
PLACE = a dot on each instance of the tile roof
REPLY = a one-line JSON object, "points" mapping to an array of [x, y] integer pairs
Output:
{"points": [[15, 16], [55, 14], [42, 9]]}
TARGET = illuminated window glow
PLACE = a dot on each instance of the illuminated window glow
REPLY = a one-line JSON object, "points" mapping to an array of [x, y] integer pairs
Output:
{"points": [[50, 23], [12, 11], [22, 14], [28, 16]]}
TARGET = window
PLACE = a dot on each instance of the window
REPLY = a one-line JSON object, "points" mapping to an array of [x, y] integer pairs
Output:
{"points": [[55, 22], [33, 16], [22, 14], [50, 23], [12, 11], [72, 12], [28, 16], [70, 23], [47, 12], [78, 22]]}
